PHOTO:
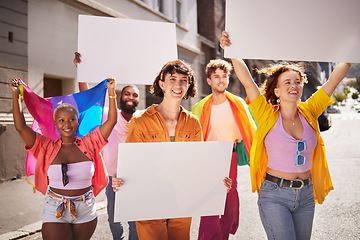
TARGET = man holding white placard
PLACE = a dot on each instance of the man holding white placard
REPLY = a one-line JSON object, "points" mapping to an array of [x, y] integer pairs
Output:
{"points": [[225, 117], [128, 101]]}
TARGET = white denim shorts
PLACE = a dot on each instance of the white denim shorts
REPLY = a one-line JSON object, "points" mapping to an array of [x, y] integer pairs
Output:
{"points": [[86, 210]]}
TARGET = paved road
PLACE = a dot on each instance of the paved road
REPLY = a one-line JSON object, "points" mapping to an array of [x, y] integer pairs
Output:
{"points": [[337, 218]]}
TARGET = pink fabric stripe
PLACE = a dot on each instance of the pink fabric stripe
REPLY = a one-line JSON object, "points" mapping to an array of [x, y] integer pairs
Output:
{"points": [[41, 109]]}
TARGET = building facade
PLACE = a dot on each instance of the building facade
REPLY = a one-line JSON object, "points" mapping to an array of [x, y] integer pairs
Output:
{"points": [[38, 40]]}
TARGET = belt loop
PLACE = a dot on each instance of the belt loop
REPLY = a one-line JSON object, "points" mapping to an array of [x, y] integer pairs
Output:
{"points": [[281, 182]]}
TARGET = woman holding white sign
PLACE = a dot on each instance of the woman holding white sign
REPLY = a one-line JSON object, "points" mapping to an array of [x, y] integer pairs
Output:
{"points": [[167, 122], [288, 166]]}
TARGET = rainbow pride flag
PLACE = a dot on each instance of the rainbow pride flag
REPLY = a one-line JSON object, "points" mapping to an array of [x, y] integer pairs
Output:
{"points": [[90, 104]]}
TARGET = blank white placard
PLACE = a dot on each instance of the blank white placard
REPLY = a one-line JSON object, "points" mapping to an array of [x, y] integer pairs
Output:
{"points": [[132, 51], [172, 179], [307, 30]]}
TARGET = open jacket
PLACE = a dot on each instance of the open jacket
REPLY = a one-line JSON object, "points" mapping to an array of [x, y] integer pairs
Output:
{"points": [[150, 127], [266, 115], [45, 150]]}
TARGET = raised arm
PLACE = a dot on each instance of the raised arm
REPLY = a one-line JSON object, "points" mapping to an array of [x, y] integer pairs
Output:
{"points": [[336, 77], [26, 133], [242, 71], [77, 60], [108, 126]]}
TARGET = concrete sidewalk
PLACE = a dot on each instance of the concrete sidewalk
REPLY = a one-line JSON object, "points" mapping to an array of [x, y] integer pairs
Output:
{"points": [[21, 209]]}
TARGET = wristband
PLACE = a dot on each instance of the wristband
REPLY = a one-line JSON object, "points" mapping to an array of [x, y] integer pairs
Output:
{"points": [[112, 96]]}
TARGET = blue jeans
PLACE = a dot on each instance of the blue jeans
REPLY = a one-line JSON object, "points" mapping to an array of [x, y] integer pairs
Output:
{"points": [[286, 213], [116, 228]]}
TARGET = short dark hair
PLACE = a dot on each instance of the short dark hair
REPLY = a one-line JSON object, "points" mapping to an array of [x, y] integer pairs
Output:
{"points": [[172, 67], [130, 85]]}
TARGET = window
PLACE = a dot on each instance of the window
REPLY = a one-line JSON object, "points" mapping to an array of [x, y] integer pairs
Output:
{"points": [[11, 37], [160, 5], [178, 11], [52, 87]]}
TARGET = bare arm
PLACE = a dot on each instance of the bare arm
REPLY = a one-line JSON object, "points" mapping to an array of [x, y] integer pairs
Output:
{"points": [[108, 126], [242, 71], [26, 133], [82, 85], [336, 77]]}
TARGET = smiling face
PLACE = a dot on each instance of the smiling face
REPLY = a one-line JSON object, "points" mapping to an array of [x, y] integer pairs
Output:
{"points": [[66, 122], [129, 99], [218, 81], [289, 87], [175, 85]]}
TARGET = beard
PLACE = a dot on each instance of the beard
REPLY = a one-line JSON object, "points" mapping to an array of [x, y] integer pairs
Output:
{"points": [[128, 109]]}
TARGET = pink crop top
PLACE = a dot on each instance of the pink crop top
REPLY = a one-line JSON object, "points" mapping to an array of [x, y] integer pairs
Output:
{"points": [[80, 175], [281, 147]]}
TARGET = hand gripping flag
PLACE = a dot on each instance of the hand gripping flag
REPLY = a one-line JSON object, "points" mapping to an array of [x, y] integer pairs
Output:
{"points": [[90, 104]]}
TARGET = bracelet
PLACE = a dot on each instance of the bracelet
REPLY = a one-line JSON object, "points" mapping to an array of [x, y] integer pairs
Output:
{"points": [[112, 96]]}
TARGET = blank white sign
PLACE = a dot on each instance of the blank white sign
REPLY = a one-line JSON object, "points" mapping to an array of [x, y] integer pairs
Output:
{"points": [[132, 51], [171, 179], [307, 30]]}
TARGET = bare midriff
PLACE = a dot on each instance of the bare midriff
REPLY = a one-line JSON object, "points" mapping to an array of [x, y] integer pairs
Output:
{"points": [[71, 193], [286, 175]]}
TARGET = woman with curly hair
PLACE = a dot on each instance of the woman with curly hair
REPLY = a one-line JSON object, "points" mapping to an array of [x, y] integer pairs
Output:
{"points": [[288, 166]]}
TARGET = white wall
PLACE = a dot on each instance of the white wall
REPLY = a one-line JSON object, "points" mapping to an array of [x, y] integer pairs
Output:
{"points": [[52, 41], [52, 36]]}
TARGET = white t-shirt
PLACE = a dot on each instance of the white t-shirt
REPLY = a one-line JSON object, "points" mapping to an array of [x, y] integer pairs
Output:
{"points": [[223, 126]]}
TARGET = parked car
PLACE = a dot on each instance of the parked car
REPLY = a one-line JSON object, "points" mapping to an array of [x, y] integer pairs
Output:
{"points": [[333, 110], [324, 121]]}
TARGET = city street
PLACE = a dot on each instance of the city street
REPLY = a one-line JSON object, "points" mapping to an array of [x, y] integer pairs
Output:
{"points": [[337, 218]]}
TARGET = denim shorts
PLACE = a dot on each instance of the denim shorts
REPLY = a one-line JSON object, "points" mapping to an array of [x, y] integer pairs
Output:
{"points": [[86, 210]]}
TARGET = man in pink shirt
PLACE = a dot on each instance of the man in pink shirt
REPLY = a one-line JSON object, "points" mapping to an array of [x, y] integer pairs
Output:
{"points": [[128, 101]]}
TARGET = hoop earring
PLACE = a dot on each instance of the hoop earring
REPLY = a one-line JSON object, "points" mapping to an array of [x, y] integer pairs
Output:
{"points": [[278, 101]]}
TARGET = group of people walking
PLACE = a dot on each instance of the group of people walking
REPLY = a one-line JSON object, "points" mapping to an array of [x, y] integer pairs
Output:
{"points": [[276, 133]]}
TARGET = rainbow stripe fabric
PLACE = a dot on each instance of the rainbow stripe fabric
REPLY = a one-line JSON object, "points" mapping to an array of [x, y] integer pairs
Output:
{"points": [[90, 104]]}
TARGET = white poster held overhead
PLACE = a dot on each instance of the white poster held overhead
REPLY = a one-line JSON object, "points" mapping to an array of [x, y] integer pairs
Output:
{"points": [[131, 51], [171, 179], [307, 30]]}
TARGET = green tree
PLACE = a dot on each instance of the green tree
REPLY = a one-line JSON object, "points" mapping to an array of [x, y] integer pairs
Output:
{"points": [[339, 97], [354, 83], [355, 95]]}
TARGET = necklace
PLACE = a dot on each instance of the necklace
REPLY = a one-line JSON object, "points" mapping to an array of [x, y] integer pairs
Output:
{"points": [[292, 121], [62, 143], [166, 117]]}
